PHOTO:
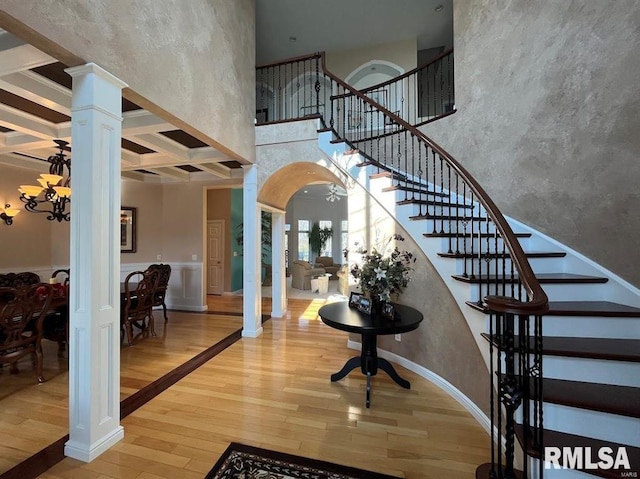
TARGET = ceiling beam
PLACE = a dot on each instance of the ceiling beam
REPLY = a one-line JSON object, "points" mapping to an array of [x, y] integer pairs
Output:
{"points": [[38, 89], [172, 172], [21, 58], [215, 169]]}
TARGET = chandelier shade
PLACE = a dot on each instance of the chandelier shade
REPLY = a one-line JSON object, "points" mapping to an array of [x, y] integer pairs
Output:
{"points": [[54, 193]]}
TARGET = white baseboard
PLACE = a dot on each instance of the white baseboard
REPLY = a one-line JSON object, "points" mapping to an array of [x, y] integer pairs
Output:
{"points": [[188, 307]]}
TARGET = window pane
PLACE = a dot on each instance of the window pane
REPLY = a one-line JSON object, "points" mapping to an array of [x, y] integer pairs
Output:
{"points": [[303, 225], [287, 227], [327, 250], [303, 246], [344, 225]]}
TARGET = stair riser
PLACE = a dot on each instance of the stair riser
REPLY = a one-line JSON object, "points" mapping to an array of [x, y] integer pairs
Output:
{"points": [[602, 371], [478, 244], [591, 327], [500, 265], [555, 292], [599, 425]]}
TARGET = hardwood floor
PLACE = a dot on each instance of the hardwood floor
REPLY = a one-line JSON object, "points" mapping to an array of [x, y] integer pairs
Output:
{"points": [[271, 392]]}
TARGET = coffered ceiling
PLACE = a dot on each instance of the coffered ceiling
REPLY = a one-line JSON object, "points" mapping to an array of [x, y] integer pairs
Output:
{"points": [[35, 108]]}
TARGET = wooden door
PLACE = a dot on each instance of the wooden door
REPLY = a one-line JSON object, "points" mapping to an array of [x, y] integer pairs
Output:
{"points": [[215, 256]]}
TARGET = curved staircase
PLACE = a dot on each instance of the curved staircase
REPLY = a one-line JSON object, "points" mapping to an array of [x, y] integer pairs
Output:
{"points": [[575, 384]]}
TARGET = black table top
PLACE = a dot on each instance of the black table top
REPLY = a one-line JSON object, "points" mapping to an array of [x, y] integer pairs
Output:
{"points": [[340, 316]]}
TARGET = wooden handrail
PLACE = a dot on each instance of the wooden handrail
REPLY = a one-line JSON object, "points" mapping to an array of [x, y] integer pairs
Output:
{"points": [[538, 301], [407, 74], [292, 60]]}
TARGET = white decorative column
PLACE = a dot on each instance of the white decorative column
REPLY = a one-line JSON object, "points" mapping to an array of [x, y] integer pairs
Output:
{"points": [[94, 299], [279, 275], [252, 257]]}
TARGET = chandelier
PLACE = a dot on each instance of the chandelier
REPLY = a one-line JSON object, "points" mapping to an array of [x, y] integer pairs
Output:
{"points": [[54, 194], [333, 193]]}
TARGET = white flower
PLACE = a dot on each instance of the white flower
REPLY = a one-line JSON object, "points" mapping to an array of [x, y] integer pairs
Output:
{"points": [[380, 273]]}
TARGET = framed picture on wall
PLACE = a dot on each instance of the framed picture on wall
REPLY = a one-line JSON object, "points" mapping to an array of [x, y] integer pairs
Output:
{"points": [[127, 229]]}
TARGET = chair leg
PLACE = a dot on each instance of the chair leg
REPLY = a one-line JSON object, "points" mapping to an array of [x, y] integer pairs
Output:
{"points": [[164, 308], [151, 325], [129, 330], [39, 361]]}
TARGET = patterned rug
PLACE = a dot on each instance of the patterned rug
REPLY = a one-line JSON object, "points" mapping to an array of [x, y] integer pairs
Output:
{"points": [[240, 461]]}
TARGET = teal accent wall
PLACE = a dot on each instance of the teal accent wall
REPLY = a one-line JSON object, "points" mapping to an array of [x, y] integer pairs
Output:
{"points": [[236, 249]]}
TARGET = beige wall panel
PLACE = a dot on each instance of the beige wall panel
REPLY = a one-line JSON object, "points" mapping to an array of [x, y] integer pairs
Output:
{"points": [[219, 208], [403, 54], [147, 198], [27, 242], [183, 220], [195, 60]]}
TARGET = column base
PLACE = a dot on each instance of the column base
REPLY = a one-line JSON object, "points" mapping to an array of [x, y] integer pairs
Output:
{"points": [[252, 334], [78, 450]]}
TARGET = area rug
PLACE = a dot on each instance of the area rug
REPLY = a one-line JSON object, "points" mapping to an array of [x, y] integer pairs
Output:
{"points": [[240, 461]]}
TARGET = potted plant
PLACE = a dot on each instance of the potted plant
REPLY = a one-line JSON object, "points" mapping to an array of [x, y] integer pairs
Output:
{"points": [[318, 238]]}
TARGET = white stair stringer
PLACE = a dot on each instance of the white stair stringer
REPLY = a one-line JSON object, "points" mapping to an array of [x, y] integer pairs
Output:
{"points": [[589, 423]]}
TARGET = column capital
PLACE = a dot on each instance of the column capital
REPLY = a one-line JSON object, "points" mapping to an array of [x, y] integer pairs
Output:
{"points": [[97, 70]]}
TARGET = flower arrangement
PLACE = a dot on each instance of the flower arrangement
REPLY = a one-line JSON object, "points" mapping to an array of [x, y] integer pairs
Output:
{"points": [[383, 273]]}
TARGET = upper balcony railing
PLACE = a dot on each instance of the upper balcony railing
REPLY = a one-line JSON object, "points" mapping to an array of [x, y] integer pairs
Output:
{"points": [[421, 95]]}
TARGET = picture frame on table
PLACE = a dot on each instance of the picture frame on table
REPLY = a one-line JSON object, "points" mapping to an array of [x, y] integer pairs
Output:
{"points": [[127, 229], [364, 306], [388, 311], [354, 300]]}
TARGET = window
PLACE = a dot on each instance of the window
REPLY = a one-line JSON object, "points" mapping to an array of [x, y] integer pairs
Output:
{"points": [[327, 250], [344, 236], [303, 239]]}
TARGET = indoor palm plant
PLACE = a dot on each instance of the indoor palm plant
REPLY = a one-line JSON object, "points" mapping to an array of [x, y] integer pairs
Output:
{"points": [[318, 238]]}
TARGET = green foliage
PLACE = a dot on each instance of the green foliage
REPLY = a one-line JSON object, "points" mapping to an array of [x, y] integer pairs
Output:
{"points": [[383, 273], [265, 235], [318, 238]]}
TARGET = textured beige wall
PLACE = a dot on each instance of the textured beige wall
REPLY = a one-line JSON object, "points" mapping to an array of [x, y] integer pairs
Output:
{"points": [[548, 118], [195, 60], [404, 54], [27, 242], [219, 208], [147, 198]]}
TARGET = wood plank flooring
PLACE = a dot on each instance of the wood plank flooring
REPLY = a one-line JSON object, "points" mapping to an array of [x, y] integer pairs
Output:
{"points": [[271, 392]]}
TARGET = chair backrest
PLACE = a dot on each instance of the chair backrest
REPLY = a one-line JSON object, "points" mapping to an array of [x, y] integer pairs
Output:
{"points": [[140, 288], [22, 311], [62, 273], [164, 271]]}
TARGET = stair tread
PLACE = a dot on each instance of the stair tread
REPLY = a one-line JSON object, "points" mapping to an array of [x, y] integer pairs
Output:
{"points": [[543, 278], [447, 218], [603, 309], [610, 398], [595, 348], [592, 308], [469, 235], [553, 438], [412, 189], [417, 201], [529, 254]]}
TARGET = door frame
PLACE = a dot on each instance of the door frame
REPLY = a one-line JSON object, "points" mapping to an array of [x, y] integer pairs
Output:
{"points": [[222, 245]]}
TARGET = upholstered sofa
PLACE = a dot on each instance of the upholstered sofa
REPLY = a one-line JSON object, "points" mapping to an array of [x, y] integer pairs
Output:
{"points": [[327, 263], [302, 272]]}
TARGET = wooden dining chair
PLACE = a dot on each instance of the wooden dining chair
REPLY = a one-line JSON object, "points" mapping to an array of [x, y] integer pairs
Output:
{"points": [[55, 326], [164, 271], [137, 305], [22, 311]]}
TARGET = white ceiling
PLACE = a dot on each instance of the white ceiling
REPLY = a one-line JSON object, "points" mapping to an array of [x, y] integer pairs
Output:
{"points": [[332, 25]]}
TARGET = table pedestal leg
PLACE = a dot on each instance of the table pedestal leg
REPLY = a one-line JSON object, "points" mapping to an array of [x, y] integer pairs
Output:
{"points": [[387, 367], [346, 369]]}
